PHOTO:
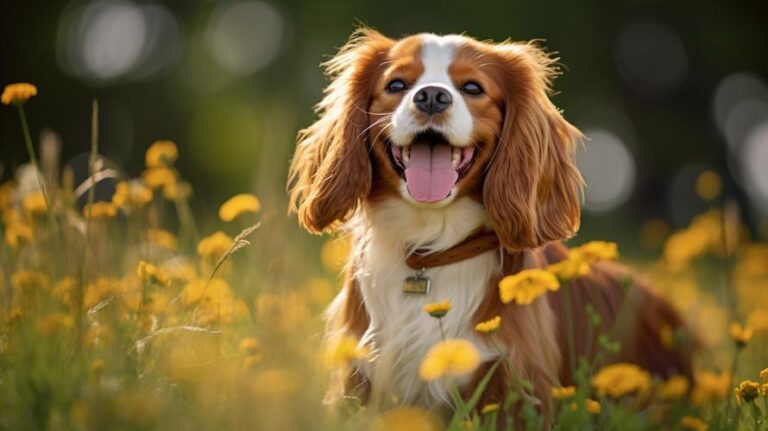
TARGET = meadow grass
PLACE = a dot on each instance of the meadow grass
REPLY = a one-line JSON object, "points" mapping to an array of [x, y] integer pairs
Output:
{"points": [[131, 313]]}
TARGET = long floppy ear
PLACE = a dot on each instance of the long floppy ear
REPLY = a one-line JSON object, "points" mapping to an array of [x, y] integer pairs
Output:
{"points": [[532, 189], [331, 171]]}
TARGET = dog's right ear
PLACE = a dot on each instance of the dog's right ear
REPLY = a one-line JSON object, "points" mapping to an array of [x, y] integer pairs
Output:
{"points": [[331, 170]]}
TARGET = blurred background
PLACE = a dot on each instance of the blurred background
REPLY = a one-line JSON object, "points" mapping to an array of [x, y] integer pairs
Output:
{"points": [[665, 91]]}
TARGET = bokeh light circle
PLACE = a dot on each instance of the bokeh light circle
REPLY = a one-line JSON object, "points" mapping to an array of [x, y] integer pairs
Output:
{"points": [[754, 162], [740, 103], [113, 38], [245, 36], [608, 168], [110, 39]]}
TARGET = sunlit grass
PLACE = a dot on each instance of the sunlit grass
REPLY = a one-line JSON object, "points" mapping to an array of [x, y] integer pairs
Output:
{"points": [[131, 313]]}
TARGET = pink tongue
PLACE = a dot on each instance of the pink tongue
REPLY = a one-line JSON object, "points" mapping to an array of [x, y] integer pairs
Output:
{"points": [[429, 173]]}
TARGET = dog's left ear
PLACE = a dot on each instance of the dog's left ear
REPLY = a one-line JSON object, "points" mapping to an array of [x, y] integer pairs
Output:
{"points": [[532, 189], [331, 170]]}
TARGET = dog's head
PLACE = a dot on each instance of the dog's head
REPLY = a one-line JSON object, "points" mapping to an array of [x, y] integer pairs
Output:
{"points": [[431, 118]]}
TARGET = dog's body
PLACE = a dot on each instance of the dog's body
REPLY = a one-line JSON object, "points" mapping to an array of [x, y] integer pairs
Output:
{"points": [[399, 330], [421, 143]]}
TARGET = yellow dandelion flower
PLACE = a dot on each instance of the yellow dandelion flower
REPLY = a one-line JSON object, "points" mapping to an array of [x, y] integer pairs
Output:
{"points": [[18, 93], [17, 234], [406, 418], [64, 290], [342, 351], [162, 238], [6, 194], [675, 387], [160, 154], [593, 407], [568, 269], [489, 326], [35, 204], [489, 408], [710, 387], [177, 190], [100, 210], [564, 392], [438, 309], [579, 259], [238, 205], [180, 270], [99, 290], [692, 423], [764, 375], [131, 194], [758, 319], [527, 285], [595, 251], [11, 215], [218, 291], [709, 185], [29, 280], [249, 345], [452, 357], [215, 245], [747, 391], [620, 379], [334, 253], [155, 178], [53, 323], [14, 315], [740, 335], [151, 274]]}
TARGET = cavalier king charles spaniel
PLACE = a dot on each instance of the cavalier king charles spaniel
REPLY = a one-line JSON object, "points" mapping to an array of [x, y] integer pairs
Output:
{"points": [[446, 162]]}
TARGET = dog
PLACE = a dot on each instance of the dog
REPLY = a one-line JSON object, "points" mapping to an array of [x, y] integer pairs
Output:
{"points": [[423, 145]]}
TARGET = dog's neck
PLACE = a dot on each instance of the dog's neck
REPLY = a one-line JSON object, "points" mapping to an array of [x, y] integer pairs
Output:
{"points": [[430, 230]]}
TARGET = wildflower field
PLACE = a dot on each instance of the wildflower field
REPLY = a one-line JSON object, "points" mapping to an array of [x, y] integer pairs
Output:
{"points": [[138, 313]]}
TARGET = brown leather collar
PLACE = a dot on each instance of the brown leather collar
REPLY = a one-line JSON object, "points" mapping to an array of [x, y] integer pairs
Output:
{"points": [[472, 246]]}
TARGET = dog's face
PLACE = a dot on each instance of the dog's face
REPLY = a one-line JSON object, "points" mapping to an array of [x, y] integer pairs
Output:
{"points": [[434, 117], [431, 118]]}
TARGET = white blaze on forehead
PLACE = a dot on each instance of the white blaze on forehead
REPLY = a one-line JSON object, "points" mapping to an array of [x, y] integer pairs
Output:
{"points": [[437, 55]]}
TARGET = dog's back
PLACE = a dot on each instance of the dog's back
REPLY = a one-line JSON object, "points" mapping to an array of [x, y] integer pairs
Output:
{"points": [[612, 316]]}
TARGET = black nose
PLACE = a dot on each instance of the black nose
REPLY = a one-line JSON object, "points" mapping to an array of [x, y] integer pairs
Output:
{"points": [[432, 99]]}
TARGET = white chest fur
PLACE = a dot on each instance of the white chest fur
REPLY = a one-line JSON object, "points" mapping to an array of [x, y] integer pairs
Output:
{"points": [[400, 332]]}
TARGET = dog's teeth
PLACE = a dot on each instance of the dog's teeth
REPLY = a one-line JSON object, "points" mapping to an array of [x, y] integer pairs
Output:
{"points": [[456, 157], [407, 153]]}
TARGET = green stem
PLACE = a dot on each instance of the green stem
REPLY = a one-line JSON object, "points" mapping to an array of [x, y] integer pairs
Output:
{"points": [[729, 405], [569, 319], [91, 196], [442, 330], [31, 151]]}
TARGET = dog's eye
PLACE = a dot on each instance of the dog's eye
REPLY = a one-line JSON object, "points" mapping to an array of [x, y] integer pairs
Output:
{"points": [[472, 88], [396, 86]]}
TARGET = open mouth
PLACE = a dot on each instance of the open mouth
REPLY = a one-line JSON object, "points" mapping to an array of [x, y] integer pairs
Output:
{"points": [[431, 166]]}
